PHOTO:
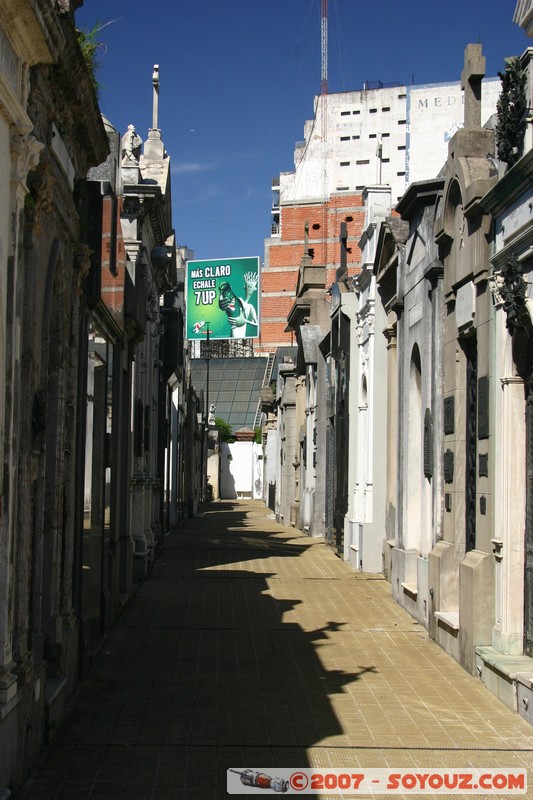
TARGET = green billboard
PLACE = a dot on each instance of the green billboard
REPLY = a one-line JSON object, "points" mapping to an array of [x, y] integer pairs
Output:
{"points": [[222, 298]]}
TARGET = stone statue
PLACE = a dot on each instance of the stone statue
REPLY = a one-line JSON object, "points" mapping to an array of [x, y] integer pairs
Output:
{"points": [[131, 147]]}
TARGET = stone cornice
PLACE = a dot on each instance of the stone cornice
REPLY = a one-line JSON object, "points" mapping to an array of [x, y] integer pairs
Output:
{"points": [[25, 23], [362, 280], [509, 187], [434, 271], [419, 194], [298, 315]]}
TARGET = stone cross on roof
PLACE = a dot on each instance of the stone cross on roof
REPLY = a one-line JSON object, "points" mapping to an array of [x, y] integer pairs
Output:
{"points": [[155, 110], [471, 77]]}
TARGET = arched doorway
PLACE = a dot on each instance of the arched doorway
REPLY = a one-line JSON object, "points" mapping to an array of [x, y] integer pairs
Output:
{"points": [[414, 454]]}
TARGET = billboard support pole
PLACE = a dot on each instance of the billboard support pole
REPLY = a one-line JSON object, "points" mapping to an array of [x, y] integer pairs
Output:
{"points": [[208, 359]]}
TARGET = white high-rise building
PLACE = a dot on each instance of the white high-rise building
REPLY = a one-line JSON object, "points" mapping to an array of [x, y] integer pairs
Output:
{"points": [[380, 135], [386, 135]]}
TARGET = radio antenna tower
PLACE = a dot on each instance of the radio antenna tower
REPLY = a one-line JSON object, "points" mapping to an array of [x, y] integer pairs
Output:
{"points": [[324, 48], [324, 120]]}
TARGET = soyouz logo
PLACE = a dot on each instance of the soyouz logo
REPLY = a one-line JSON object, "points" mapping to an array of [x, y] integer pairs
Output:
{"points": [[260, 780], [358, 781]]}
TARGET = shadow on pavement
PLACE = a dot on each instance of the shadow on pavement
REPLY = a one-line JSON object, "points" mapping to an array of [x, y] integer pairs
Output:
{"points": [[203, 672]]}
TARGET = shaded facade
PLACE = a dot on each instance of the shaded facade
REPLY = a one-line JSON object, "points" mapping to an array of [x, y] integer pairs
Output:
{"points": [[53, 133], [103, 435]]}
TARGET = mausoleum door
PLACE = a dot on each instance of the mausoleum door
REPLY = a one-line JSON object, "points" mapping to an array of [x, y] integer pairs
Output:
{"points": [[331, 464], [341, 454], [96, 537], [470, 350]]}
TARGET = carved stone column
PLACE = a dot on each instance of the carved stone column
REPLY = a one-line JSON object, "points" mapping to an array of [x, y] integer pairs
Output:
{"points": [[392, 426], [508, 288], [508, 547], [24, 152]]}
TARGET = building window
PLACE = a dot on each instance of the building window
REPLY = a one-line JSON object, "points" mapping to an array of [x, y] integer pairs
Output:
{"points": [[385, 160], [385, 135], [357, 111], [364, 161], [372, 136], [345, 113], [402, 121], [400, 174], [345, 163], [386, 108], [345, 138], [342, 188], [401, 147], [356, 137], [372, 111], [402, 96]]}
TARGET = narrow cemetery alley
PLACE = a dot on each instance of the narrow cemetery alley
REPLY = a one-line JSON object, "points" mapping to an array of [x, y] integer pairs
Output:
{"points": [[253, 646]]}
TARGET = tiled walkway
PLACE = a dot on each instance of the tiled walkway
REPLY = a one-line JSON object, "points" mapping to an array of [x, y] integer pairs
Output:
{"points": [[251, 645]]}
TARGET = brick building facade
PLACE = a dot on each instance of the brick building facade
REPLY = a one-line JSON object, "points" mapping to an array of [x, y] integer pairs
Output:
{"points": [[285, 253]]}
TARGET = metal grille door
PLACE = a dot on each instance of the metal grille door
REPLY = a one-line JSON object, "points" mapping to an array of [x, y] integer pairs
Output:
{"points": [[528, 578], [470, 445]]}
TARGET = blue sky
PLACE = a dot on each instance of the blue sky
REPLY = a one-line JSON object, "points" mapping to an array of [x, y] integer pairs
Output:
{"points": [[238, 78]]}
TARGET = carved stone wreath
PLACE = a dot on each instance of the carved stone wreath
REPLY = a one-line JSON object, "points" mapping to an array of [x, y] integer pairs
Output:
{"points": [[512, 291], [511, 109]]}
